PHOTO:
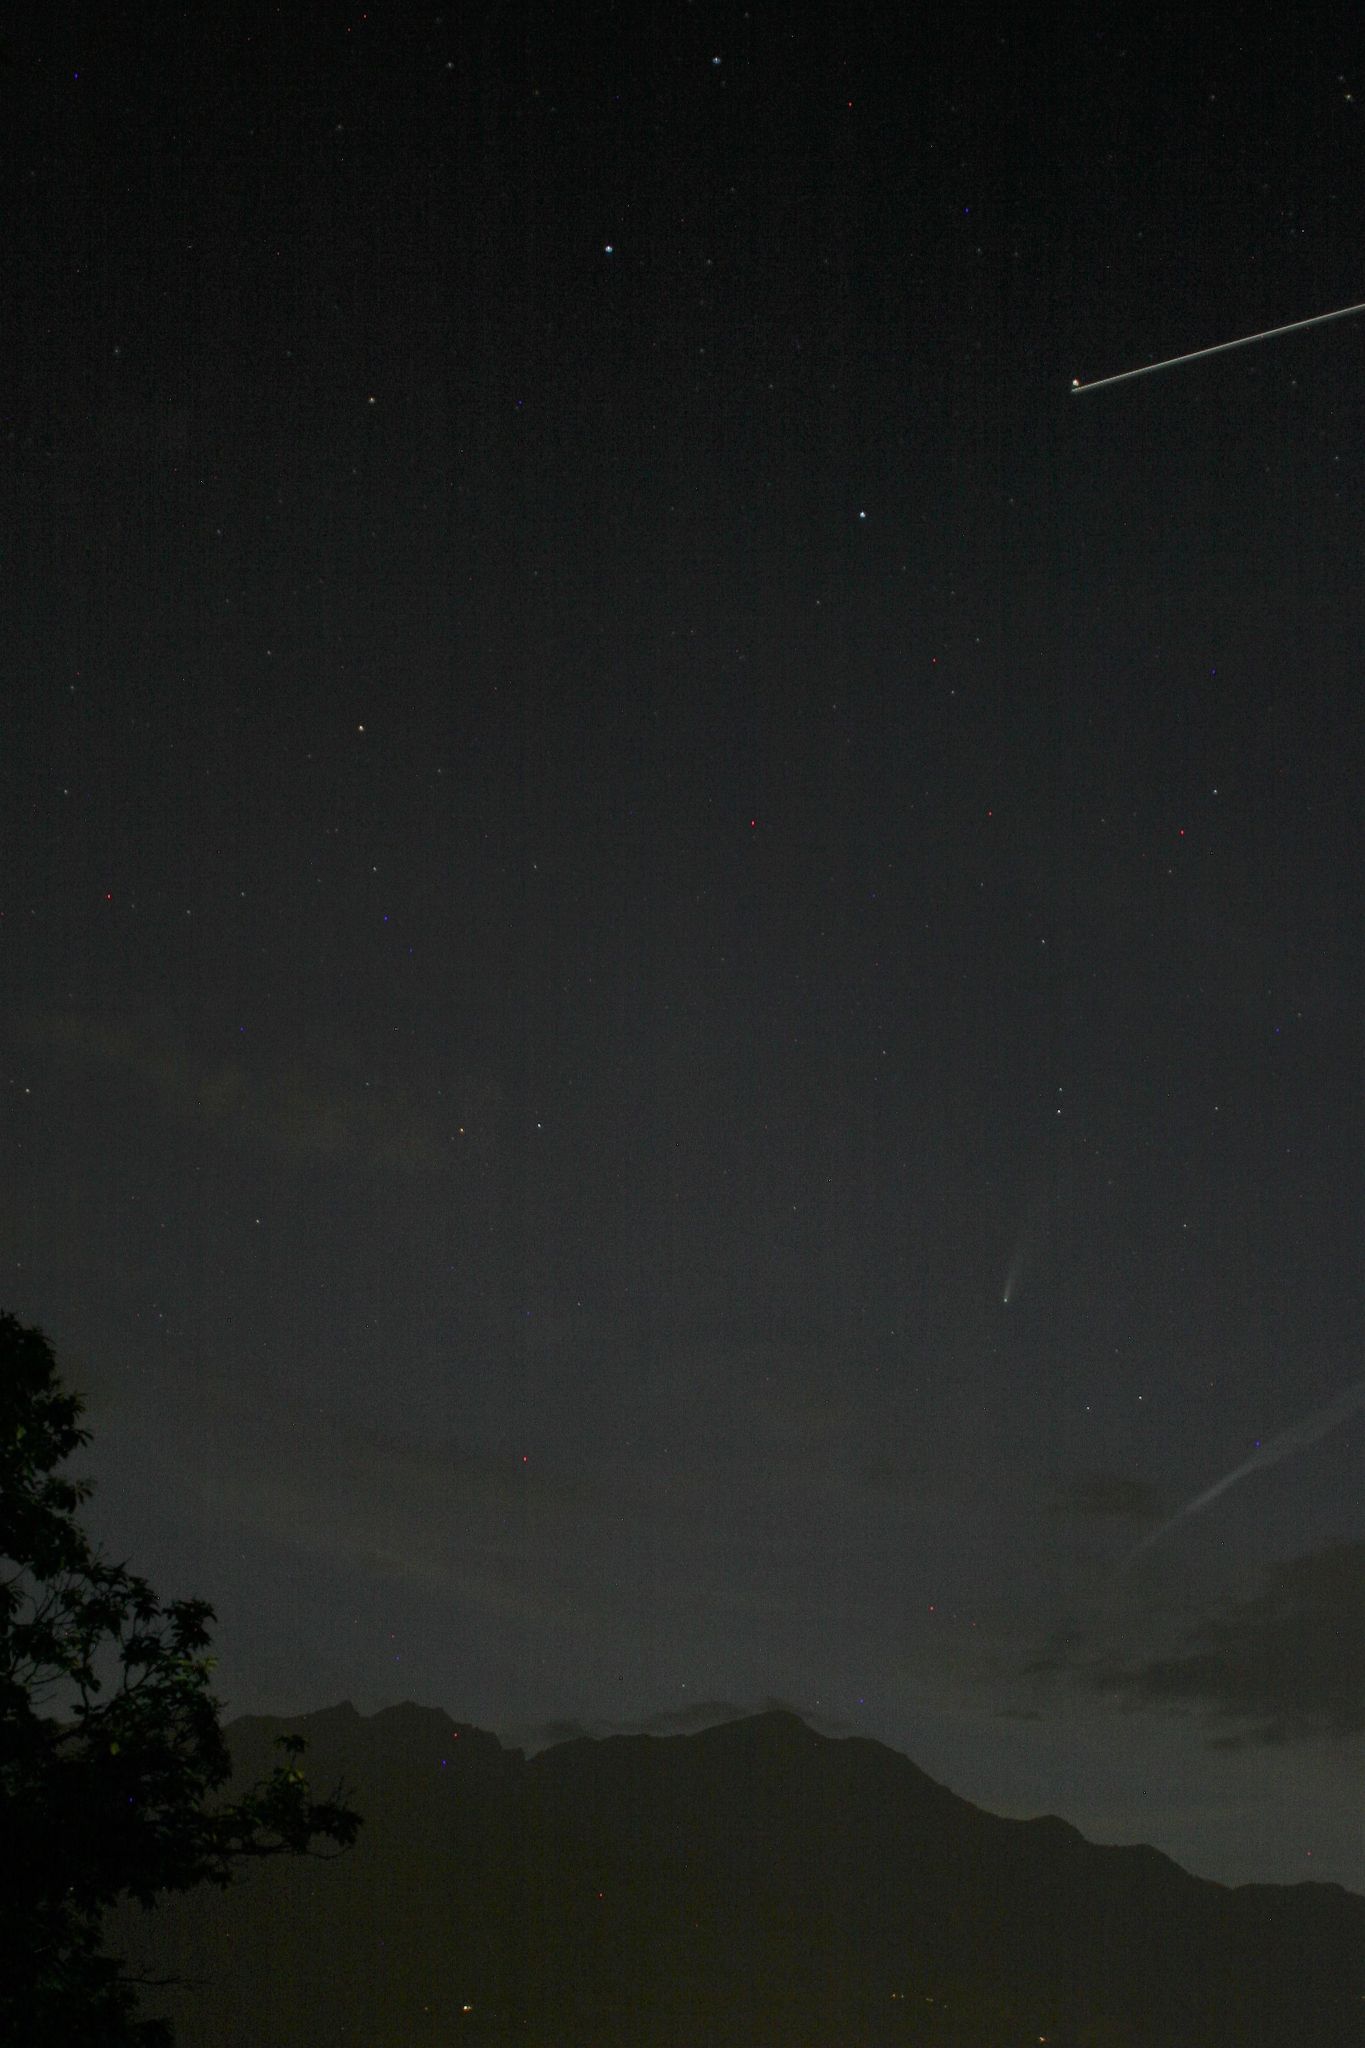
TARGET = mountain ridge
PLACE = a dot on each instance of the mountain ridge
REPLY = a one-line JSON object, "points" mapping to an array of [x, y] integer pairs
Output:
{"points": [[755, 1881]]}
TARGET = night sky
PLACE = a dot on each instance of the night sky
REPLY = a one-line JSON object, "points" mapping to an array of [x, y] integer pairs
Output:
{"points": [[681, 948]]}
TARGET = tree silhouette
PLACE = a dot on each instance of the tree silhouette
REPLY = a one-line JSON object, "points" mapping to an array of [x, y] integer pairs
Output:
{"points": [[112, 1756]]}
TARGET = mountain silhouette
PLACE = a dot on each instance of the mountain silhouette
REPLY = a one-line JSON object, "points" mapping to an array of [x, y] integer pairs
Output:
{"points": [[752, 1885]]}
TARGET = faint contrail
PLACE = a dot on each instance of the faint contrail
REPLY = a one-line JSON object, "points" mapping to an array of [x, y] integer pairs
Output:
{"points": [[1244, 341], [1294, 1439]]}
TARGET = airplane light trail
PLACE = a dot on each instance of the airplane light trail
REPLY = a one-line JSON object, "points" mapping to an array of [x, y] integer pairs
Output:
{"points": [[1269, 1452], [1218, 349]]}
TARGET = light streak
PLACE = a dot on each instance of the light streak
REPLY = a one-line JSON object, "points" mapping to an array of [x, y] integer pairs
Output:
{"points": [[1296, 1438], [1219, 348]]}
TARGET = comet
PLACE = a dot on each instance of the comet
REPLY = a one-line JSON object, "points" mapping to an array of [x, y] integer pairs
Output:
{"points": [[1219, 348], [1029, 1244]]}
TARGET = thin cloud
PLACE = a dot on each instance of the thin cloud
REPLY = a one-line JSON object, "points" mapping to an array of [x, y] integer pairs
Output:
{"points": [[686, 1720], [494, 1530], [1107, 1496], [1285, 1665], [288, 1112]]}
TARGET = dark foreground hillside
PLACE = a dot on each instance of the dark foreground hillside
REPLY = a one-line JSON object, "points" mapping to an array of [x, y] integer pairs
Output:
{"points": [[753, 1886]]}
